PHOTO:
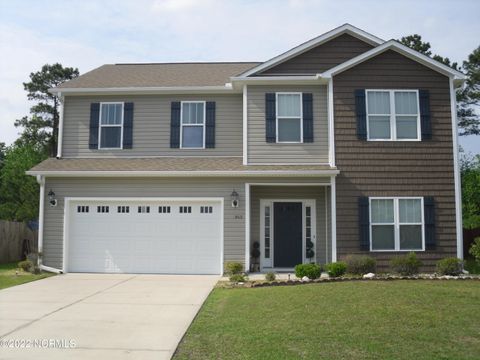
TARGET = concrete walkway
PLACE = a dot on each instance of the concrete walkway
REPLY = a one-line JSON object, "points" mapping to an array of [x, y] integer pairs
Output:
{"points": [[94, 316]]}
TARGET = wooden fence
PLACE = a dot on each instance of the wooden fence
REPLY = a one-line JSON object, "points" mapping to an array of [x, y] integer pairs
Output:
{"points": [[16, 239]]}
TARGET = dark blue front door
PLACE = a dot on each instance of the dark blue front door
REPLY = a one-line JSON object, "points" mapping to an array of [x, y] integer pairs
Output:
{"points": [[287, 234]]}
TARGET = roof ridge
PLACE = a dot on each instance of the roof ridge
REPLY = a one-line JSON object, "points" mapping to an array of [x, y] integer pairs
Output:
{"points": [[191, 62]]}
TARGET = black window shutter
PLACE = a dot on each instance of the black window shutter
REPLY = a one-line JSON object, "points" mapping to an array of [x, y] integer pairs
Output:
{"points": [[307, 100], [364, 223], [429, 213], [128, 125], [361, 114], [175, 125], [94, 120], [425, 122], [210, 125], [270, 118]]}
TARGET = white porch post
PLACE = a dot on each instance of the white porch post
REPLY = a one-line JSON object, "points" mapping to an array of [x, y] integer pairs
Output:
{"points": [[247, 227], [41, 182], [333, 217]]}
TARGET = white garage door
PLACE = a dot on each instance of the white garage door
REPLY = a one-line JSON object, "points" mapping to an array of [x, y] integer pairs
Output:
{"points": [[147, 236]]}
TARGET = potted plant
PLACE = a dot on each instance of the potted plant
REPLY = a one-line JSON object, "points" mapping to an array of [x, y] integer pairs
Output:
{"points": [[255, 253]]}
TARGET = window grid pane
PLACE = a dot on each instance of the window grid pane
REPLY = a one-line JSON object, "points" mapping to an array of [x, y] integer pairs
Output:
{"points": [[382, 211], [192, 113], [406, 103], [289, 130], [383, 237], [378, 102], [406, 127], [192, 136], [110, 136], [379, 127], [410, 237], [289, 105], [111, 114], [410, 211]]}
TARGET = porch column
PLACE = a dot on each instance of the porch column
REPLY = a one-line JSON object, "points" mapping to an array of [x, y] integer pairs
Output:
{"points": [[333, 217]]}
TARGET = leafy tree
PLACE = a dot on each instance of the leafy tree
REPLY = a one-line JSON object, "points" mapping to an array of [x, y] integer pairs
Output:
{"points": [[470, 172], [42, 126], [3, 148], [19, 192], [468, 98]]}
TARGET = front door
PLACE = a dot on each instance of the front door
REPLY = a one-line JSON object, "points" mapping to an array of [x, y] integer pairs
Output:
{"points": [[288, 234]]}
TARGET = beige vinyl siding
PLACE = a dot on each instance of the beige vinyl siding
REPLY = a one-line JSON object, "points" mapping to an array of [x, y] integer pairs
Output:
{"points": [[394, 168], [151, 126], [259, 151], [234, 218], [316, 193], [321, 57]]}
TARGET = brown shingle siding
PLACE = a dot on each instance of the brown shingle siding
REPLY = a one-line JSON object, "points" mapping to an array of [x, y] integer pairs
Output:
{"points": [[322, 57], [394, 168]]}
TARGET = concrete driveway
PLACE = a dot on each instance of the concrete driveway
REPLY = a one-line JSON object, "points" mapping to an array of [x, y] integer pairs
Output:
{"points": [[93, 316]]}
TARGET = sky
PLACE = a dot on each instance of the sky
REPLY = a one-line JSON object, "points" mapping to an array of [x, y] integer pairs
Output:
{"points": [[87, 34]]}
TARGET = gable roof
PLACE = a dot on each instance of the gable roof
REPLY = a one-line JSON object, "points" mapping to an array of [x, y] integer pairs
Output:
{"points": [[402, 49], [344, 29], [123, 76]]}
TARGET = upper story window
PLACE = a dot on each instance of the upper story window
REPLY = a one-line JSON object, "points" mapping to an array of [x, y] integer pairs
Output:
{"points": [[393, 115], [111, 125], [289, 118], [192, 124], [396, 224]]}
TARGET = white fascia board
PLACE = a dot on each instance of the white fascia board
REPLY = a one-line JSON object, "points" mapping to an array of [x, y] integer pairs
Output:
{"points": [[402, 49], [344, 29], [254, 173], [227, 88]]}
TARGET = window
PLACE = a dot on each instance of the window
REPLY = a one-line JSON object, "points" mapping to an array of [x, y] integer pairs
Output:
{"points": [[103, 209], [83, 209], [111, 126], [164, 209], [144, 209], [267, 232], [185, 209], [393, 115], [192, 131], [289, 118], [206, 209], [123, 209], [396, 224]]}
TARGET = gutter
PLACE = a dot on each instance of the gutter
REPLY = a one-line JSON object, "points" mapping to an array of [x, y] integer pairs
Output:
{"points": [[253, 173], [227, 88]]}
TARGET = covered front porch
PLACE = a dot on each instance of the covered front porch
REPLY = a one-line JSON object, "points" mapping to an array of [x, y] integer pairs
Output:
{"points": [[289, 224]]}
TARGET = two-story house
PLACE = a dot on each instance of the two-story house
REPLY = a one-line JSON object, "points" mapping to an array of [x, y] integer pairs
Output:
{"points": [[345, 144]]}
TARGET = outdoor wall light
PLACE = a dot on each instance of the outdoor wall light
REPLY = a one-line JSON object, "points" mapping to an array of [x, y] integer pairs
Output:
{"points": [[234, 196], [51, 198]]}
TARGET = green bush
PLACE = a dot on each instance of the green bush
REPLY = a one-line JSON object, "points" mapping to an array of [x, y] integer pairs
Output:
{"points": [[360, 264], [270, 276], [237, 278], [336, 269], [450, 266], [475, 249], [406, 265], [233, 268], [312, 271], [26, 265]]}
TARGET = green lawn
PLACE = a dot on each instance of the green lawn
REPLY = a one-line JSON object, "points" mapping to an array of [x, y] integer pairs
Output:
{"points": [[351, 320], [8, 276]]}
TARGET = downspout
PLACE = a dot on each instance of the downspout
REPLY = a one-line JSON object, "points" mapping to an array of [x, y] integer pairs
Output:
{"points": [[60, 125], [41, 182]]}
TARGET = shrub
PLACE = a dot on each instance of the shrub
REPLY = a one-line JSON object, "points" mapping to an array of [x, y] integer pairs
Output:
{"points": [[312, 271], [233, 268], [406, 265], [336, 269], [450, 266], [475, 249], [360, 264], [237, 278], [26, 265], [270, 276]]}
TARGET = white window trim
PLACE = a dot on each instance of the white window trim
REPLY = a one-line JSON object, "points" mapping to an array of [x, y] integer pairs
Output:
{"points": [[289, 117], [396, 222], [392, 115], [197, 125], [100, 126]]}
